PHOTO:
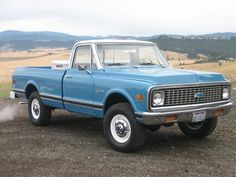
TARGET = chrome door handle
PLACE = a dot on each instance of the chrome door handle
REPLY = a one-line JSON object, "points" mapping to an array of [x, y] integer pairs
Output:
{"points": [[68, 77]]}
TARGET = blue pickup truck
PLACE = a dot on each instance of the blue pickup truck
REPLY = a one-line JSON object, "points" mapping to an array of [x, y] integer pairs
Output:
{"points": [[131, 86]]}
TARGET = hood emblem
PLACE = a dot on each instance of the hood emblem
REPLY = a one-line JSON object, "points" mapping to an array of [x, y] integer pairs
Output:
{"points": [[199, 95]]}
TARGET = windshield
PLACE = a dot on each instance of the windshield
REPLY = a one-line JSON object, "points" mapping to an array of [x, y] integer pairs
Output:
{"points": [[130, 54]]}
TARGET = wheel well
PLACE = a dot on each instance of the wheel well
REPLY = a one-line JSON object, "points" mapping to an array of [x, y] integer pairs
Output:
{"points": [[30, 89], [114, 99]]}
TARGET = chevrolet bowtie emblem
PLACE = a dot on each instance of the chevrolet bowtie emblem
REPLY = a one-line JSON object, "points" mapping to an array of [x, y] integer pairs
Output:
{"points": [[199, 95]]}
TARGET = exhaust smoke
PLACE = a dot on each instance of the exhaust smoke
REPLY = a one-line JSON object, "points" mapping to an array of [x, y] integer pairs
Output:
{"points": [[8, 113]]}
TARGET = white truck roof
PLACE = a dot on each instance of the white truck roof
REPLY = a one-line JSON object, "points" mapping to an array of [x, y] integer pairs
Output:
{"points": [[113, 41]]}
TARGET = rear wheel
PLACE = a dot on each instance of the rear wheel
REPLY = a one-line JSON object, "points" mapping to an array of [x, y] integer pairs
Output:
{"points": [[199, 129], [39, 114], [122, 130]]}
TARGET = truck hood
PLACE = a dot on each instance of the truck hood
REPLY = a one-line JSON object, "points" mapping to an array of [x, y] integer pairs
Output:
{"points": [[159, 76]]}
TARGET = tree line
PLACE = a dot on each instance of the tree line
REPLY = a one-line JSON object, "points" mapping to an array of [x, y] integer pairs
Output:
{"points": [[213, 49]]}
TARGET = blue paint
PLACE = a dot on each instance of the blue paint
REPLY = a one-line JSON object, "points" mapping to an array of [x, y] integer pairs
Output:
{"points": [[87, 92], [125, 81]]}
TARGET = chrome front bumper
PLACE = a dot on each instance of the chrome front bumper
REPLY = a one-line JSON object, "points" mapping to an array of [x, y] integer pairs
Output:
{"points": [[183, 113]]}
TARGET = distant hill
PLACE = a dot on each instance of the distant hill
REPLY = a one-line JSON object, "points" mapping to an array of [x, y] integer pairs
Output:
{"points": [[20, 40], [39, 36], [226, 35], [34, 36], [214, 46], [12, 35]]}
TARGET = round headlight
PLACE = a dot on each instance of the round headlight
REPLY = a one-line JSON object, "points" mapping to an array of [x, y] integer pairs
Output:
{"points": [[158, 99], [225, 94]]}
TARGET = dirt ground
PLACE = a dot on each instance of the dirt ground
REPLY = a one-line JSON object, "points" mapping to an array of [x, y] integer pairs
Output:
{"points": [[75, 146]]}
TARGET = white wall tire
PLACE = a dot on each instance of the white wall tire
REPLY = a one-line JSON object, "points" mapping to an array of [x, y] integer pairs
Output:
{"points": [[122, 130], [35, 109], [39, 114]]}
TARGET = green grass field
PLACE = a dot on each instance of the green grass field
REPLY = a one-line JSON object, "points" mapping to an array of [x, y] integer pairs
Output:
{"points": [[5, 89]]}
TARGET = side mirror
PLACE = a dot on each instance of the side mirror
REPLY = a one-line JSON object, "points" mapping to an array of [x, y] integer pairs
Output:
{"points": [[84, 68]]}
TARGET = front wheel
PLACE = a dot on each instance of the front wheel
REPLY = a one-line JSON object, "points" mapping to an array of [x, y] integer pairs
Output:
{"points": [[39, 113], [122, 130], [199, 129]]}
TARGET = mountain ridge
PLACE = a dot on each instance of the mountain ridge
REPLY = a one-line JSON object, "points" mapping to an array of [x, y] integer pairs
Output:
{"points": [[214, 46], [59, 36]]}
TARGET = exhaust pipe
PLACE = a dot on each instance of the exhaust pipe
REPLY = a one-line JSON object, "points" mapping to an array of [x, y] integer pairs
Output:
{"points": [[23, 102]]}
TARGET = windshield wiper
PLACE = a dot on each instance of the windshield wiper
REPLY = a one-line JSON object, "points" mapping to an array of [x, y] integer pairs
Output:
{"points": [[163, 66], [115, 64], [121, 64], [147, 63], [134, 66]]}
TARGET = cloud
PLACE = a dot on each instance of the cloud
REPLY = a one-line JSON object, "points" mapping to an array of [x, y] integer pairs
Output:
{"points": [[121, 17]]}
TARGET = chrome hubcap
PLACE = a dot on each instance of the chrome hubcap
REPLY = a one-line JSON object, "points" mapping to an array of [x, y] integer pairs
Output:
{"points": [[35, 109], [120, 128]]}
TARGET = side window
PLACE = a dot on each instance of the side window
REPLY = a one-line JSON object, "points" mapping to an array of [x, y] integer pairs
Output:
{"points": [[82, 57]]}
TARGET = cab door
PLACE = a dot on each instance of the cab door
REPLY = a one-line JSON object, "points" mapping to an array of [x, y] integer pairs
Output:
{"points": [[78, 85]]}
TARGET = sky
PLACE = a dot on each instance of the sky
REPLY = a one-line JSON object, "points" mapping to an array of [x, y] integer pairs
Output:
{"points": [[119, 17]]}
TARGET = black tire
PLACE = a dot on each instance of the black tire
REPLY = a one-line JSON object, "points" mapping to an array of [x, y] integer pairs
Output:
{"points": [[154, 128], [44, 112], [198, 130], [137, 133]]}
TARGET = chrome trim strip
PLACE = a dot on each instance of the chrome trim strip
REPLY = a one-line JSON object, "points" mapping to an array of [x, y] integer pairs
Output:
{"points": [[82, 103], [229, 104], [189, 106], [67, 100], [167, 86], [50, 96], [51, 99], [199, 84]]}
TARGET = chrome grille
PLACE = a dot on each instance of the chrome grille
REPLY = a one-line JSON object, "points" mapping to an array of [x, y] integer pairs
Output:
{"points": [[193, 95]]}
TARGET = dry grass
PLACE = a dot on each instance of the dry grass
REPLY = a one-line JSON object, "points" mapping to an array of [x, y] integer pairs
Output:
{"points": [[43, 58], [5, 89], [176, 58], [227, 68]]}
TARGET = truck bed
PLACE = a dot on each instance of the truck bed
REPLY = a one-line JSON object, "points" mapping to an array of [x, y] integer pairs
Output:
{"points": [[48, 82]]}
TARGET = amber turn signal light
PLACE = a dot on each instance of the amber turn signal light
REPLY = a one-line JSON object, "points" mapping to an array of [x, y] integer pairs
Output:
{"points": [[139, 97], [169, 119], [219, 112]]}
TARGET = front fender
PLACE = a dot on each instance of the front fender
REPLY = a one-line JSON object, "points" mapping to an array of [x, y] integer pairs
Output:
{"points": [[122, 92]]}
